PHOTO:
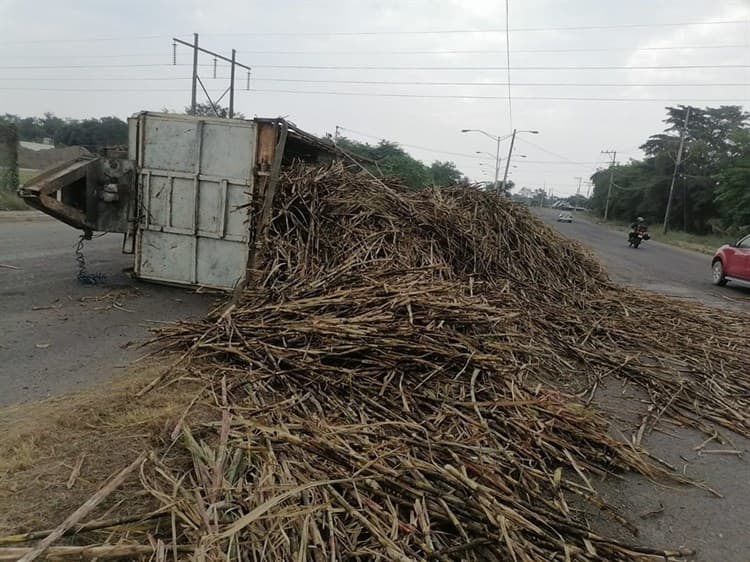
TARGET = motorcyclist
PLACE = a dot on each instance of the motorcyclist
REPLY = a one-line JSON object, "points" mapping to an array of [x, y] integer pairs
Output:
{"points": [[639, 224]]}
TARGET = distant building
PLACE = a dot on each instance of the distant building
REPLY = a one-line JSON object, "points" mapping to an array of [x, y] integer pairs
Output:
{"points": [[38, 156], [37, 146]]}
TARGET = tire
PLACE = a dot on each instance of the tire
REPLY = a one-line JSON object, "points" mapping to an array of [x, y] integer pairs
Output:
{"points": [[717, 274], [636, 243]]}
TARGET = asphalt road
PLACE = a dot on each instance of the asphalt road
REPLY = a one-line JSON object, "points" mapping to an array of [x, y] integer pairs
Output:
{"points": [[57, 335], [654, 266], [682, 517]]}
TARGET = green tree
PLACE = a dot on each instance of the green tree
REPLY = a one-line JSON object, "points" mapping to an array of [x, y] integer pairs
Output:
{"points": [[640, 189], [710, 147], [207, 110], [540, 198], [92, 133], [708, 187], [8, 157], [733, 189], [389, 158], [444, 173]]}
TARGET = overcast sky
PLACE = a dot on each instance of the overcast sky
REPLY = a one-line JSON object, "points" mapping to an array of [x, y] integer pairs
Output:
{"points": [[81, 58]]}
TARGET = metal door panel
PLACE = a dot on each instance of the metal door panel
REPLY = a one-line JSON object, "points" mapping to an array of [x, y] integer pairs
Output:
{"points": [[167, 257], [226, 152], [196, 183], [211, 208], [169, 144], [158, 200], [237, 216], [218, 265], [183, 199]]}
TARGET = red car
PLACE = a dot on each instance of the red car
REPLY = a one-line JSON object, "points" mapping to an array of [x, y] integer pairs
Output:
{"points": [[732, 263]]}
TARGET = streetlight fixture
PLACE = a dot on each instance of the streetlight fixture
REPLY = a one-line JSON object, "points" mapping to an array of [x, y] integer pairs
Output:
{"points": [[510, 151]]}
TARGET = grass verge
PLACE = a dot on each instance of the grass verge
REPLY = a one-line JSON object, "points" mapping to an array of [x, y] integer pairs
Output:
{"points": [[25, 174], [11, 202], [706, 244], [703, 243], [55, 454]]}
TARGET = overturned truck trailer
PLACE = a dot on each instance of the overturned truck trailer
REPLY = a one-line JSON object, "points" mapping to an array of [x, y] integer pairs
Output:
{"points": [[191, 195]]}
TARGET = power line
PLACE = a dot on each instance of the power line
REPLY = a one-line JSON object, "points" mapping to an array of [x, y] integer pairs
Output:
{"points": [[375, 137], [535, 145], [495, 84], [98, 89], [394, 95], [390, 68], [458, 96], [489, 30], [384, 32], [479, 68], [555, 154], [87, 40], [88, 66], [494, 51], [395, 52], [400, 82], [100, 78], [507, 60], [451, 153], [83, 56]]}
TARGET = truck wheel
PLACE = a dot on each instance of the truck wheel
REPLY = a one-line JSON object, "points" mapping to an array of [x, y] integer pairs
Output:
{"points": [[717, 274]]}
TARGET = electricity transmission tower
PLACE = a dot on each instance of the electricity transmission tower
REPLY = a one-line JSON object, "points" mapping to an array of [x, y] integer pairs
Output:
{"points": [[197, 80]]}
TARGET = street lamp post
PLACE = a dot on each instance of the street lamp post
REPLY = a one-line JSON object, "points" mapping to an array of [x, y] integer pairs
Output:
{"points": [[497, 160], [497, 151]]}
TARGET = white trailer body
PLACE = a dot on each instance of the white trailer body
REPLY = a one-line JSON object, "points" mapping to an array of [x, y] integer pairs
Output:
{"points": [[189, 193]]}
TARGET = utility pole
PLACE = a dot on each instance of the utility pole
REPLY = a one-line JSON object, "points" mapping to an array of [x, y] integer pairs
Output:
{"points": [[497, 167], [231, 87], [611, 180], [510, 152], [193, 97], [336, 134], [676, 169], [197, 79], [578, 192], [507, 160]]}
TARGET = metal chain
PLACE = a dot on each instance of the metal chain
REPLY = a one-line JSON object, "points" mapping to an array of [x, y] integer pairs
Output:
{"points": [[84, 277]]}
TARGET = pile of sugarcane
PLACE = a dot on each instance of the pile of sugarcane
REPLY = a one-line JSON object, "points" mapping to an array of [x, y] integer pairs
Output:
{"points": [[388, 387]]}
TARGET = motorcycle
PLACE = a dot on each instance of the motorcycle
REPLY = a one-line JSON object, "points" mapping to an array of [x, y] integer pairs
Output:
{"points": [[637, 236]]}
